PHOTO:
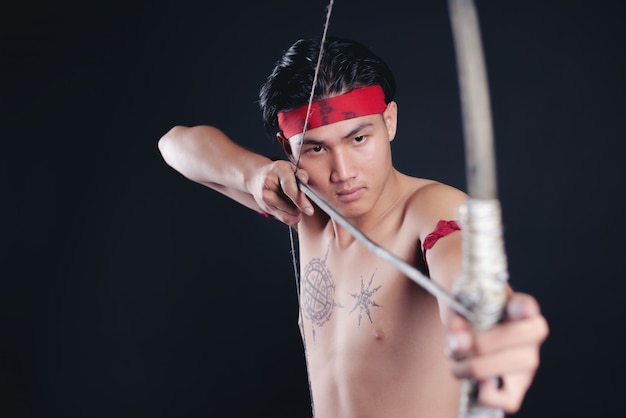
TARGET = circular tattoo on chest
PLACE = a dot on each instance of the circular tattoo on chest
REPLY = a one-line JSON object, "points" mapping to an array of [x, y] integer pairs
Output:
{"points": [[318, 290]]}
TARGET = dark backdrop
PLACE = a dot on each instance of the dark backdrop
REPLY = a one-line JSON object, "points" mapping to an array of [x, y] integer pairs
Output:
{"points": [[129, 291]]}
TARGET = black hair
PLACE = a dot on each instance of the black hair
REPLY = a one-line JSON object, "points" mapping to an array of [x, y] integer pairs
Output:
{"points": [[346, 64]]}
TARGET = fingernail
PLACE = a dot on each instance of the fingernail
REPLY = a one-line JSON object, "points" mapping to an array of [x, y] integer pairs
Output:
{"points": [[308, 211], [517, 309], [495, 382], [458, 341]]}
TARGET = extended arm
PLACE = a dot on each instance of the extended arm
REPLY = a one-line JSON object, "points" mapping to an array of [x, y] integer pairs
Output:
{"points": [[504, 358]]}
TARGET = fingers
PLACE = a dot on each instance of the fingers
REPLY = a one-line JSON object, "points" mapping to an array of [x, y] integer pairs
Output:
{"points": [[280, 195], [523, 332], [509, 350], [523, 325], [505, 393], [293, 192], [514, 360], [522, 305]]}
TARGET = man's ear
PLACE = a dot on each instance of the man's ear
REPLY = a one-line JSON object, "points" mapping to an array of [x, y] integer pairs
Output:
{"points": [[391, 119], [284, 142]]}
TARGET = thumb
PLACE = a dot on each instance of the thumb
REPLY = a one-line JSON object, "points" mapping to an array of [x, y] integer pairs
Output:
{"points": [[522, 306]]}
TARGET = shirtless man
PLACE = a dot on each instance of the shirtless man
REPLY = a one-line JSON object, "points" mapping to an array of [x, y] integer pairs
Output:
{"points": [[377, 344]]}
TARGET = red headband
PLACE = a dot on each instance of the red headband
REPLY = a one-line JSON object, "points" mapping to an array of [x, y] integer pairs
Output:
{"points": [[361, 101]]}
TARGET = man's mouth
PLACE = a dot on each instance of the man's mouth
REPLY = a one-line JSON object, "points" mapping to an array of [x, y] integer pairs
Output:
{"points": [[350, 195]]}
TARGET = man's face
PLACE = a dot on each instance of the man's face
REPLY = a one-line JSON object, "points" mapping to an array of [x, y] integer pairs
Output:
{"points": [[348, 162]]}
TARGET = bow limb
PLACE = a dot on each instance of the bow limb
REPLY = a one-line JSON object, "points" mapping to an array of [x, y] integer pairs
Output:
{"points": [[482, 285]]}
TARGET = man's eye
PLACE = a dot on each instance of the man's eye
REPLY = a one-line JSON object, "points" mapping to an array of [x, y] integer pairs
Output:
{"points": [[359, 138], [314, 150]]}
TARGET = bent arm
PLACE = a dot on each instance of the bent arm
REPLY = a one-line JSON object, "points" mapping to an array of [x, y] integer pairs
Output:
{"points": [[205, 154]]}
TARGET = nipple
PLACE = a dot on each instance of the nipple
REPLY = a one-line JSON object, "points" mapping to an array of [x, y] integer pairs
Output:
{"points": [[378, 334]]}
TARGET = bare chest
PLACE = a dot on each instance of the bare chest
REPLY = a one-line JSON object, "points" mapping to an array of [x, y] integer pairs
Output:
{"points": [[342, 286], [366, 328], [350, 297]]}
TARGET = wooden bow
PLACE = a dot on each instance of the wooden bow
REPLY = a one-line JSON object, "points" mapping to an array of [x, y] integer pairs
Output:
{"points": [[482, 285]]}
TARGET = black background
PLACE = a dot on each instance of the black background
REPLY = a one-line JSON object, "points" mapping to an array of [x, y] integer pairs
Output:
{"points": [[129, 291]]}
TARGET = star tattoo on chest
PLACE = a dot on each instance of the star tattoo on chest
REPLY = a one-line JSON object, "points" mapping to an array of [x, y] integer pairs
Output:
{"points": [[364, 301]]}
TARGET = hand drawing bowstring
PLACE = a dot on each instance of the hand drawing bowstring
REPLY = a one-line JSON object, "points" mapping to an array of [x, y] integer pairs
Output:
{"points": [[480, 291]]}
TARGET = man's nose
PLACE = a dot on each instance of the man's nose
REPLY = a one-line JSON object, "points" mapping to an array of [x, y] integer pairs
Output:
{"points": [[343, 168]]}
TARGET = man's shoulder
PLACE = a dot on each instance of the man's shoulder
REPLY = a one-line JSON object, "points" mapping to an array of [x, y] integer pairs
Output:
{"points": [[425, 193], [431, 201]]}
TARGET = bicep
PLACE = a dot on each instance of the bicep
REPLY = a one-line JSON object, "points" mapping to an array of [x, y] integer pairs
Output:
{"points": [[444, 260]]}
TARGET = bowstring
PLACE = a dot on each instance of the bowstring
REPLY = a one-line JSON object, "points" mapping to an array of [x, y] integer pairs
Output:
{"points": [[315, 75], [320, 55], [294, 257]]}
